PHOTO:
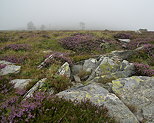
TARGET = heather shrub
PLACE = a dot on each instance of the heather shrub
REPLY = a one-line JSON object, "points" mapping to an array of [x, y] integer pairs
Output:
{"points": [[17, 47], [5, 87], [81, 43], [60, 110], [4, 39], [2, 66], [140, 41], [44, 108], [149, 49], [143, 69], [58, 82], [122, 36], [58, 58], [14, 59], [14, 110]]}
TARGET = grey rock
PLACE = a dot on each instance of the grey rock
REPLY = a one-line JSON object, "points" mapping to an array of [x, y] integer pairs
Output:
{"points": [[38, 85], [20, 83], [89, 64], [6, 62], [112, 67], [65, 70], [124, 40], [123, 54], [138, 93], [10, 69], [77, 78], [76, 69], [101, 97]]}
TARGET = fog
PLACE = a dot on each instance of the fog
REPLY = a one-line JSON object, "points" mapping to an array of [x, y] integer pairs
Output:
{"points": [[67, 14]]}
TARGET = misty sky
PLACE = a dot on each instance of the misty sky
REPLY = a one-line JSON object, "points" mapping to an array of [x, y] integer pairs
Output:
{"points": [[66, 14]]}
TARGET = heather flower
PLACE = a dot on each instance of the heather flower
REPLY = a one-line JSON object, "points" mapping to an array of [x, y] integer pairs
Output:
{"points": [[149, 48], [5, 86], [9, 102], [58, 56], [14, 59], [23, 110], [143, 70], [81, 43], [122, 36], [138, 42], [39, 96], [2, 66], [20, 92], [18, 47]]}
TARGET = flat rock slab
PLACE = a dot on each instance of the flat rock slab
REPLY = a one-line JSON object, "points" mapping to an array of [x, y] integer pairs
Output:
{"points": [[100, 96], [10, 69], [20, 83], [137, 92]]}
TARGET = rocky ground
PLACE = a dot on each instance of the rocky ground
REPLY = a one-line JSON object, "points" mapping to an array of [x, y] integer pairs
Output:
{"points": [[112, 74]]}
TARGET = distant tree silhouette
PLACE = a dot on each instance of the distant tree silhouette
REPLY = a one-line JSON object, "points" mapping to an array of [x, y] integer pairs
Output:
{"points": [[30, 26], [82, 25]]}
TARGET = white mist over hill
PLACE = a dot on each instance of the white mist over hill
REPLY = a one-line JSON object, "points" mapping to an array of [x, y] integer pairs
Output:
{"points": [[67, 14]]}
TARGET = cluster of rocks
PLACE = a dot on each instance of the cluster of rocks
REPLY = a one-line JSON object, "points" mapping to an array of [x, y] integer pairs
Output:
{"points": [[106, 81], [110, 82]]}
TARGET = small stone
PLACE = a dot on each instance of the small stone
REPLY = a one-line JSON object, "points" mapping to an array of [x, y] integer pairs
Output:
{"points": [[77, 78]]}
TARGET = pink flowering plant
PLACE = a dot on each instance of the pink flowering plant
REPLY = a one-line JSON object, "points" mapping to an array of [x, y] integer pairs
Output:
{"points": [[81, 43], [17, 47], [143, 69]]}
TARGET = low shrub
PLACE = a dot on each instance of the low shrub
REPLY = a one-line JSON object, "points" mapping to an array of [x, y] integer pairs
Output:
{"points": [[17, 47], [149, 49], [58, 57], [2, 66], [4, 39], [14, 59], [81, 43], [44, 108], [5, 87], [122, 36], [58, 82], [138, 42], [143, 70]]}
